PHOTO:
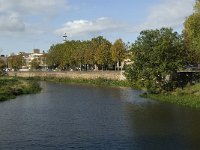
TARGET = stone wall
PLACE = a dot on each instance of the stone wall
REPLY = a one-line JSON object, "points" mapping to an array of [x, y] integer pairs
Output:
{"points": [[114, 75]]}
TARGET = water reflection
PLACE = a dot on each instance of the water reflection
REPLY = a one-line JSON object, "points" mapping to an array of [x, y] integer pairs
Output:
{"points": [[164, 126]]}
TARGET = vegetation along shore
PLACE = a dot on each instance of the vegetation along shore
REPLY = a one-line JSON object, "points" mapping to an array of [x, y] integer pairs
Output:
{"points": [[189, 96], [97, 81], [10, 87]]}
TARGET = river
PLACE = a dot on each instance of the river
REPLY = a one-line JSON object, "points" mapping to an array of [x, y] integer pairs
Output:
{"points": [[89, 117]]}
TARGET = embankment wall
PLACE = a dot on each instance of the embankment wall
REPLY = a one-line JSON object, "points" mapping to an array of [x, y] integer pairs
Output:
{"points": [[113, 75]]}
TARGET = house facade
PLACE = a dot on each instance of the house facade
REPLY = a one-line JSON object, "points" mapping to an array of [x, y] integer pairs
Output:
{"points": [[36, 55]]}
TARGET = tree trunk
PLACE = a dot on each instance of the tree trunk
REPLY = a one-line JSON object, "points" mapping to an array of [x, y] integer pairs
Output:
{"points": [[96, 68], [118, 65]]}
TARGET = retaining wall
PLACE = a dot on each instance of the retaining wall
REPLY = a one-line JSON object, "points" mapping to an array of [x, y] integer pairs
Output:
{"points": [[114, 75]]}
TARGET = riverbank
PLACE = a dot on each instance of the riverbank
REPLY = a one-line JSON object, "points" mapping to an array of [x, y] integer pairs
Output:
{"points": [[97, 81], [188, 96], [10, 87], [88, 75]]}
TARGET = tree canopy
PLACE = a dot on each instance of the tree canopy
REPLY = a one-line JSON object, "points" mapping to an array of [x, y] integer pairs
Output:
{"points": [[35, 64], [192, 34], [85, 54], [15, 61], [118, 51], [2, 64], [158, 55]]}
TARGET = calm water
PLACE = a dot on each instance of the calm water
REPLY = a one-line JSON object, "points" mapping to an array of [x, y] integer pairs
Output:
{"points": [[88, 117]]}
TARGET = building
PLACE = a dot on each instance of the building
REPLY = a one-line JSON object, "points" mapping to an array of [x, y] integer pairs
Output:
{"points": [[41, 58]]}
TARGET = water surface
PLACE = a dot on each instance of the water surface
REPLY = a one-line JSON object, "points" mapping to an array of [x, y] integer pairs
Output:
{"points": [[89, 117]]}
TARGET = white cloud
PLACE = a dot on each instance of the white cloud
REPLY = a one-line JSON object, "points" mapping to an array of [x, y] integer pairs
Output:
{"points": [[170, 13], [11, 22], [86, 27], [14, 13], [31, 7]]}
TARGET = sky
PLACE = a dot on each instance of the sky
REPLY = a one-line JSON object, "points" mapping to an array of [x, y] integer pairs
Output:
{"points": [[37, 24]]}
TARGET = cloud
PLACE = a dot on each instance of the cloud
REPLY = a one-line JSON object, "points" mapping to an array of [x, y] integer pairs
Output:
{"points": [[14, 13], [11, 22], [33, 7], [86, 27], [170, 13], [167, 13]]}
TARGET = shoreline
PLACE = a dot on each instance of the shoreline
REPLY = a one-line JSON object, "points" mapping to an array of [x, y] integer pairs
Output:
{"points": [[189, 96], [179, 97], [97, 81], [11, 87]]}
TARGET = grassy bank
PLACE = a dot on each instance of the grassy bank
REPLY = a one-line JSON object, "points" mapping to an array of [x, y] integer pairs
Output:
{"points": [[189, 96], [98, 81], [11, 87]]}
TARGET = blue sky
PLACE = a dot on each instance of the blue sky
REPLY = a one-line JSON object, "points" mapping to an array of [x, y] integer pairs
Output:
{"points": [[29, 24]]}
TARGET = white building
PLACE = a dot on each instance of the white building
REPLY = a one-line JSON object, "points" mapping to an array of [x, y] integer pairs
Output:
{"points": [[35, 55]]}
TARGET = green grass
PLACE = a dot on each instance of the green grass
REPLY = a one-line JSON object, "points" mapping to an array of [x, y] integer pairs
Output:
{"points": [[98, 81], [189, 96], [10, 87]]}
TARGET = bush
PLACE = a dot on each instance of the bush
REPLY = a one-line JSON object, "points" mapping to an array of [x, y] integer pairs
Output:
{"points": [[12, 87]]}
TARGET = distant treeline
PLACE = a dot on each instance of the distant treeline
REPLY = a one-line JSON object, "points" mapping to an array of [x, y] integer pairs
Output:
{"points": [[97, 53]]}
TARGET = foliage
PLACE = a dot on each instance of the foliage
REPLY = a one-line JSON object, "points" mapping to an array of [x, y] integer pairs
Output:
{"points": [[118, 51], [12, 87], [98, 81], [189, 96], [186, 100], [192, 34], [79, 55], [35, 64], [102, 48], [158, 55], [2, 64], [15, 61]]}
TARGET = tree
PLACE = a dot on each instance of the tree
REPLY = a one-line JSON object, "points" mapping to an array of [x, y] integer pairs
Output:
{"points": [[158, 55], [81, 54], [118, 51], [15, 61], [55, 55], [102, 53], [192, 34], [2, 64], [35, 64], [88, 54]]}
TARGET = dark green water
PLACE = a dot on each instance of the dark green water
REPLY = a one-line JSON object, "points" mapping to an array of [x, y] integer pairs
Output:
{"points": [[88, 118]]}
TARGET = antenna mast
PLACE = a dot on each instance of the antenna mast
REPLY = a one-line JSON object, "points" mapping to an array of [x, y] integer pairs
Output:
{"points": [[65, 37]]}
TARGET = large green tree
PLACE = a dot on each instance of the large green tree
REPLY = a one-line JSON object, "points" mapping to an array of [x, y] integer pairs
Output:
{"points": [[15, 61], [158, 55], [55, 55], [118, 51], [192, 34], [102, 52]]}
